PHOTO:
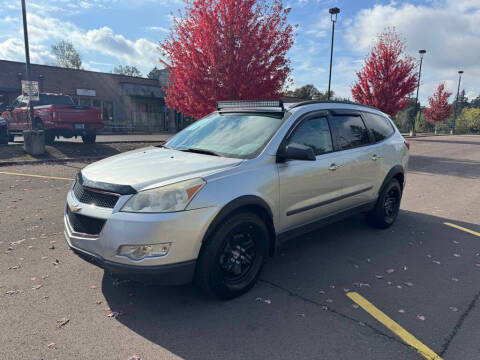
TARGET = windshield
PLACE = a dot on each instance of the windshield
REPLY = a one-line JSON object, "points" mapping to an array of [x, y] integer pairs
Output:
{"points": [[53, 100], [241, 135]]}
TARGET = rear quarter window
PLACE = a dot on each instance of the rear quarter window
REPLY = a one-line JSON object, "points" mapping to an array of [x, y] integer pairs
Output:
{"points": [[379, 126]]}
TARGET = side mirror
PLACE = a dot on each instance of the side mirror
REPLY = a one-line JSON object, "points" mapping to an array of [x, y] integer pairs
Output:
{"points": [[295, 151]]}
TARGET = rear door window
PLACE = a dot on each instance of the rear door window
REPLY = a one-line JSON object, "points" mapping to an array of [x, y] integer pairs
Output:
{"points": [[350, 131], [379, 126]]}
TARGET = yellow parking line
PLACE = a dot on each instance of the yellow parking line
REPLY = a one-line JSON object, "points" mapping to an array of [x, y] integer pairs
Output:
{"points": [[35, 176], [463, 229], [408, 338]]}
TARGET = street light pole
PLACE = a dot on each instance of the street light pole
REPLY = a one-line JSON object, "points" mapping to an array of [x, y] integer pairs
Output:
{"points": [[422, 53], [333, 16], [460, 72], [27, 56]]}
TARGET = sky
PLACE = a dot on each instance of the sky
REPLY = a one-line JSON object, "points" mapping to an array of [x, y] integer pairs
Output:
{"points": [[127, 32]]}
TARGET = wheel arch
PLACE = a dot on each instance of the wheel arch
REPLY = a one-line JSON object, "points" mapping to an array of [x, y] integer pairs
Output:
{"points": [[397, 172], [250, 203]]}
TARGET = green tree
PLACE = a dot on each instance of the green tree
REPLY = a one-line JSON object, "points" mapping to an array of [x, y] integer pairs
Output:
{"points": [[403, 118], [308, 92], [475, 103], [127, 70], [154, 73], [66, 56], [468, 121]]}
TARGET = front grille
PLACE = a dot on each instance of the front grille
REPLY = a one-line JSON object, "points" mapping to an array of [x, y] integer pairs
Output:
{"points": [[85, 224], [87, 196]]}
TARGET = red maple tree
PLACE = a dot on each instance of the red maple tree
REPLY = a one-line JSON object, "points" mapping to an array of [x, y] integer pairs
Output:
{"points": [[439, 109], [387, 76], [226, 50]]}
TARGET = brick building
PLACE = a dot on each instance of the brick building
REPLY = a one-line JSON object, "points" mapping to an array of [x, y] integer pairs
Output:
{"points": [[128, 103]]}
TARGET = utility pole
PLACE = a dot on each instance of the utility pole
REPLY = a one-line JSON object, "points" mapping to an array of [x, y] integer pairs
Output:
{"points": [[412, 131], [460, 72], [27, 57], [333, 16]]}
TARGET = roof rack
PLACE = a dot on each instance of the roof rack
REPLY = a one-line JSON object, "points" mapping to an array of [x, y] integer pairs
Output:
{"points": [[310, 102], [250, 104]]}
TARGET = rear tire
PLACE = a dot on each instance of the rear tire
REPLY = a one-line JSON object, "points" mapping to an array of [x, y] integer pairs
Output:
{"points": [[89, 138], [232, 258], [49, 138], [3, 137], [38, 124], [387, 207]]}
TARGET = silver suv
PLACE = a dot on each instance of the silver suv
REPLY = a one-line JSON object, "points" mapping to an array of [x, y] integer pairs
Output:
{"points": [[214, 202]]}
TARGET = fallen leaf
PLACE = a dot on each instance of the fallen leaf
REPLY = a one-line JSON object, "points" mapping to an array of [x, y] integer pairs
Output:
{"points": [[115, 314], [408, 283], [399, 286], [404, 267], [457, 255], [455, 279], [456, 242], [33, 278], [389, 283], [421, 317], [12, 292], [379, 276], [135, 357], [329, 300], [429, 256], [14, 267], [51, 247], [436, 262], [355, 306], [389, 271], [62, 322], [401, 311], [93, 287], [36, 287], [301, 315], [98, 302], [453, 308], [364, 284], [51, 345], [346, 290]]}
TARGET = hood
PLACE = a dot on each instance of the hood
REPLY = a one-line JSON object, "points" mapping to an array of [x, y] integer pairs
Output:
{"points": [[152, 166]]}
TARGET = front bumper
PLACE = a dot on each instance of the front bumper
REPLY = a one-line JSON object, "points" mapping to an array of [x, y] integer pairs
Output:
{"points": [[170, 274], [184, 230]]}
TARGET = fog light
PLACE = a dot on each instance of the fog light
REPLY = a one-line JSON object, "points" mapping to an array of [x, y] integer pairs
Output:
{"points": [[139, 252]]}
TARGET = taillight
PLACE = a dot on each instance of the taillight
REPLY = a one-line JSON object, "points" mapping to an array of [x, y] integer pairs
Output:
{"points": [[407, 144]]}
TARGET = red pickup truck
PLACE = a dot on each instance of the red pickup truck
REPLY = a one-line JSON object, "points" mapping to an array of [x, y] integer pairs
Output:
{"points": [[57, 115]]}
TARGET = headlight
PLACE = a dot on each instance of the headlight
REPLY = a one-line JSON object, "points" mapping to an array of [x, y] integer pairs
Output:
{"points": [[170, 198]]}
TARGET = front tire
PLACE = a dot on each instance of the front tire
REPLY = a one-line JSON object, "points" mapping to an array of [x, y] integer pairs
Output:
{"points": [[387, 207], [89, 138], [232, 258]]}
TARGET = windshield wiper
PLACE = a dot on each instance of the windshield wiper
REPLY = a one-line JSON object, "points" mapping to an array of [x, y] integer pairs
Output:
{"points": [[200, 151]]}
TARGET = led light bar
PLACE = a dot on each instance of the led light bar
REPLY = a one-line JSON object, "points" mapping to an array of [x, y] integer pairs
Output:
{"points": [[249, 104]]}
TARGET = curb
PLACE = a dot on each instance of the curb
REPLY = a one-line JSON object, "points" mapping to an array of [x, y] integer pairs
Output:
{"points": [[33, 162], [103, 142]]}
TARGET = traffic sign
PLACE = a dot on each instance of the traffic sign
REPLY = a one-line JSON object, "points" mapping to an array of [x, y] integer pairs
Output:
{"points": [[30, 90]]}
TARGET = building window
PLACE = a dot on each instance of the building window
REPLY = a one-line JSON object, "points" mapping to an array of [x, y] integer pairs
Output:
{"points": [[85, 102], [141, 107]]}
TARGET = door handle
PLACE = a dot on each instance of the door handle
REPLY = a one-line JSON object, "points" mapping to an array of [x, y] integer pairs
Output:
{"points": [[333, 167], [376, 157]]}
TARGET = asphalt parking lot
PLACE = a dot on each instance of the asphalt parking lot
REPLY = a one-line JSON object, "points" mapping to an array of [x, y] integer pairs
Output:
{"points": [[422, 274]]}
